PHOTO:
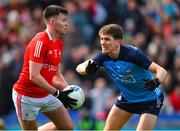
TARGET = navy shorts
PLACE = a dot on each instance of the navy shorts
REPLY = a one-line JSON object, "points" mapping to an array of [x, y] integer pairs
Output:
{"points": [[151, 107]]}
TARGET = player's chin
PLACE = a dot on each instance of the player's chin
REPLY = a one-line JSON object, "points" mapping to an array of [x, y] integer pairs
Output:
{"points": [[64, 32], [105, 51]]}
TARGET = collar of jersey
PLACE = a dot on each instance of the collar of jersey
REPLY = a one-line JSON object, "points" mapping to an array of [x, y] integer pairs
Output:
{"points": [[49, 35]]}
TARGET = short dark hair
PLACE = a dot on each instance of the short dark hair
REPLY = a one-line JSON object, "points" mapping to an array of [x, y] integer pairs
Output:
{"points": [[54, 10], [114, 30]]}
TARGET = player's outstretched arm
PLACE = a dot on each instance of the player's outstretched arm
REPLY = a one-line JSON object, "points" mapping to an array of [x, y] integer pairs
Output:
{"points": [[81, 68]]}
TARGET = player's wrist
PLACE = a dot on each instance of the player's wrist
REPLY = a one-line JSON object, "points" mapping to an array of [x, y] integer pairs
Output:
{"points": [[56, 94], [157, 80]]}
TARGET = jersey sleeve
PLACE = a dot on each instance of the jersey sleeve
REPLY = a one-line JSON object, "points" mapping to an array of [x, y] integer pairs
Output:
{"points": [[141, 59], [38, 50], [100, 58]]}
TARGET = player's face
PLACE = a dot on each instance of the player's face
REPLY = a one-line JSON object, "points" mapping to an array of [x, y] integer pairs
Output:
{"points": [[108, 43], [61, 24]]}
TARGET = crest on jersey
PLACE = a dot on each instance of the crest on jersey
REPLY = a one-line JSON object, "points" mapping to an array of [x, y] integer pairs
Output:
{"points": [[50, 52], [128, 70]]}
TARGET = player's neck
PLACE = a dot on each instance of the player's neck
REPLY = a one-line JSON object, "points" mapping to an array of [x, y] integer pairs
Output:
{"points": [[115, 53], [52, 33]]}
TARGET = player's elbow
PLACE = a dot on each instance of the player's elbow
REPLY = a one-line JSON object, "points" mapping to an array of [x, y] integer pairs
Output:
{"points": [[33, 77], [164, 71]]}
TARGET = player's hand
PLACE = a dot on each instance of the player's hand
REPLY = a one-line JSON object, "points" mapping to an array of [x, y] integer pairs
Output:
{"points": [[151, 84], [91, 68], [66, 100]]}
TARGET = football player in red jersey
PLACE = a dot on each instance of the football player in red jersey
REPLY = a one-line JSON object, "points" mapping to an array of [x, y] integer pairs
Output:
{"points": [[35, 90]]}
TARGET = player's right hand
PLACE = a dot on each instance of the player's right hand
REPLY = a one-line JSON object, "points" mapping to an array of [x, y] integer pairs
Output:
{"points": [[66, 100], [91, 68], [151, 84]]}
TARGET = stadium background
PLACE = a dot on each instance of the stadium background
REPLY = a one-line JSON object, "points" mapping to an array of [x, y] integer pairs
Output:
{"points": [[151, 25]]}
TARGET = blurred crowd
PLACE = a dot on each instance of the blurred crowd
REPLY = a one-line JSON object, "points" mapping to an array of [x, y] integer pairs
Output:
{"points": [[151, 25]]}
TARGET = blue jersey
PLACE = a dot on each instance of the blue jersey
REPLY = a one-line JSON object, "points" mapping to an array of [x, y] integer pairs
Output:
{"points": [[127, 73]]}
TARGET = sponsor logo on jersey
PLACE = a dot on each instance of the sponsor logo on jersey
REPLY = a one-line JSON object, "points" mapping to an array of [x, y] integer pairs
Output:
{"points": [[49, 67]]}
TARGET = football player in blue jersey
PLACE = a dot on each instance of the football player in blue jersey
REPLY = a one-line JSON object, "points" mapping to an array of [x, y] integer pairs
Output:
{"points": [[137, 78]]}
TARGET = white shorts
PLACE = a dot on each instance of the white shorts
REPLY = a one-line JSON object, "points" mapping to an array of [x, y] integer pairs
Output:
{"points": [[27, 108]]}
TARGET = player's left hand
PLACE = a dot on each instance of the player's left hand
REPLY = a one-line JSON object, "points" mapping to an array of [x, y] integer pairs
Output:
{"points": [[151, 84], [66, 100], [91, 68]]}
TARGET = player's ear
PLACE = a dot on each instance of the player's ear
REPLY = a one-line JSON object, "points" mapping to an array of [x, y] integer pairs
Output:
{"points": [[119, 41], [51, 21]]}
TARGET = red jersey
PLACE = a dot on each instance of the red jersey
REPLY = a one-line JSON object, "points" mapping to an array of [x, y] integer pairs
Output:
{"points": [[41, 50], [175, 100]]}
